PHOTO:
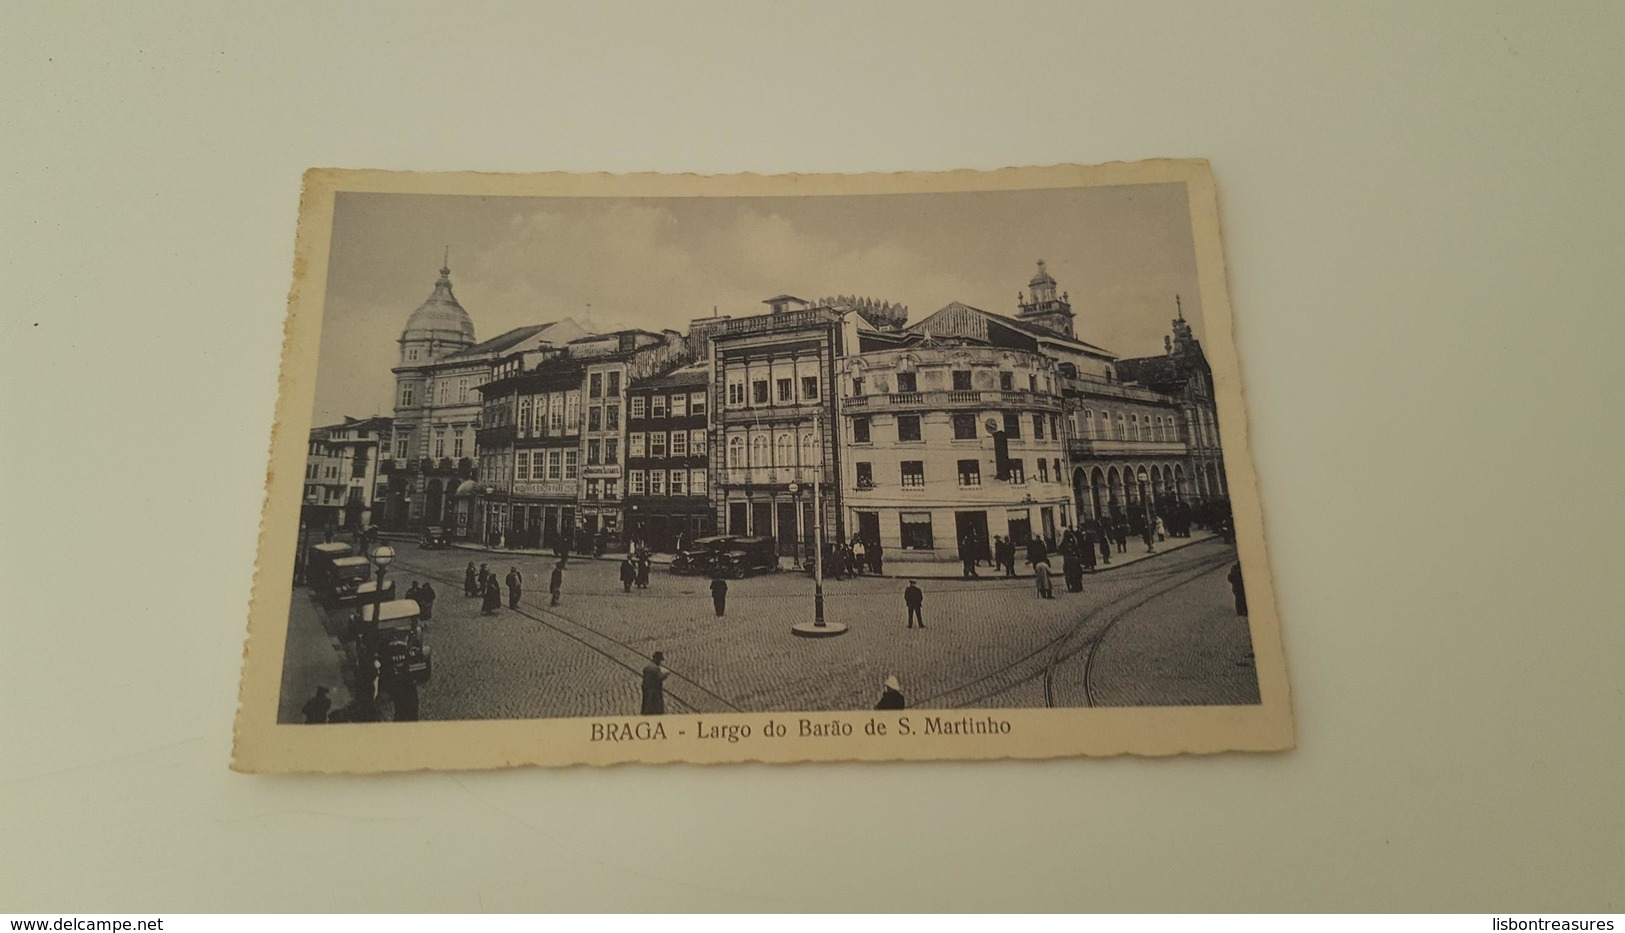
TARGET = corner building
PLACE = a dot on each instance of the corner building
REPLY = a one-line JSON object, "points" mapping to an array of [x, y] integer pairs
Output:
{"points": [[949, 442]]}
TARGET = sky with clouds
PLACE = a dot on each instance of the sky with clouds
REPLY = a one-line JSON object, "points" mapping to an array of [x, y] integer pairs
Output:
{"points": [[1121, 252]]}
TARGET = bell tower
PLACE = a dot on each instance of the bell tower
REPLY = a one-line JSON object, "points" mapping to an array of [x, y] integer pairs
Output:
{"points": [[1042, 307]]}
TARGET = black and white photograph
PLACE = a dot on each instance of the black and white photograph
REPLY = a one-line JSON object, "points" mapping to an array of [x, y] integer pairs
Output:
{"points": [[620, 458]]}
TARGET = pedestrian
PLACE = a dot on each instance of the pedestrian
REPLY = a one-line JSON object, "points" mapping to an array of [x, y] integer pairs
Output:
{"points": [[493, 597], [654, 685], [967, 558], [555, 586], [1086, 551], [317, 707], [1041, 577], [891, 694], [1238, 589], [485, 577], [876, 556], [426, 597], [1105, 547], [913, 598], [643, 572], [515, 585], [1073, 568], [1037, 553], [719, 594], [629, 573], [561, 546], [469, 581], [1120, 533], [1162, 530]]}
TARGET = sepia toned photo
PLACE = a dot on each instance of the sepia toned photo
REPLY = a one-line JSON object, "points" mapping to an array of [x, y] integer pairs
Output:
{"points": [[592, 469]]}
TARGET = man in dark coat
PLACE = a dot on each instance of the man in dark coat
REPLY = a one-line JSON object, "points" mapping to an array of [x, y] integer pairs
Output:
{"points": [[317, 707], [555, 585], [485, 577], [876, 557], [914, 599], [470, 581], [1037, 553], [1238, 590], [1086, 551], [493, 597], [967, 557], [654, 685], [629, 573], [1073, 568], [643, 571], [891, 694], [426, 598], [515, 585], [719, 594], [1105, 546]]}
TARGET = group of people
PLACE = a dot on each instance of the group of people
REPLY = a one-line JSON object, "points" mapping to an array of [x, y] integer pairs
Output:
{"points": [[425, 595], [853, 558], [635, 570], [482, 584]]}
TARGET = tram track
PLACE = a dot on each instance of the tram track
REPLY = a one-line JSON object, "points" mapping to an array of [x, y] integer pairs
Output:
{"points": [[1063, 648], [617, 658]]}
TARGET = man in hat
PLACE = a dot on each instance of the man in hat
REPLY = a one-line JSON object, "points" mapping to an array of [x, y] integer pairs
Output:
{"points": [[629, 573], [515, 584], [719, 594], [555, 586], [914, 598], [891, 695], [654, 685]]}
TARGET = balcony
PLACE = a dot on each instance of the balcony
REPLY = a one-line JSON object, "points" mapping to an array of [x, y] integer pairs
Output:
{"points": [[1080, 447], [1096, 387], [772, 476], [980, 400], [502, 436]]}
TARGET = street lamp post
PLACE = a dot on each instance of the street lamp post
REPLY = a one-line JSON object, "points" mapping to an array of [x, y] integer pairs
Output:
{"points": [[381, 556], [818, 628]]}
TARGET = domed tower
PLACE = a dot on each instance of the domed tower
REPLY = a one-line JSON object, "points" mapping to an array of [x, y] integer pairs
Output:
{"points": [[1043, 308], [438, 327]]}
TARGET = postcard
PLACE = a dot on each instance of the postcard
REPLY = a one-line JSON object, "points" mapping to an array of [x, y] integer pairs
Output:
{"points": [[592, 469]]}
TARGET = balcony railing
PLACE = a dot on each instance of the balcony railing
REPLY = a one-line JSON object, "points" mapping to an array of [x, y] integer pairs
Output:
{"points": [[773, 476], [981, 399], [1095, 447]]}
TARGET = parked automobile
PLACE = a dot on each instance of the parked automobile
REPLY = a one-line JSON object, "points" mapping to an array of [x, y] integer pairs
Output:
{"points": [[744, 556], [434, 538], [350, 583], [701, 557], [391, 651], [319, 563]]}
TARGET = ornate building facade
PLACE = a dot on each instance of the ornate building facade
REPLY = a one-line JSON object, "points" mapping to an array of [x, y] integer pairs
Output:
{"points": [[668, 458], [948, 442], [433, 463], [774, 431]]}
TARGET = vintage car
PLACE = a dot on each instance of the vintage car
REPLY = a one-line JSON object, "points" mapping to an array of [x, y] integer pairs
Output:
{"points": [[389, 651], [350, 583], [740, 557], [701, 556], [319, 563], [434, 537]]}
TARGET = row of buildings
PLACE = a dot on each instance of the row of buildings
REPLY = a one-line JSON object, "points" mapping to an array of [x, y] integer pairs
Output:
{"points": [[963, 426]]}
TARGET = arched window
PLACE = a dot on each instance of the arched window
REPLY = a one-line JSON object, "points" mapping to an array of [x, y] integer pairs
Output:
{"points": [[1087, 426], [736, 451], [809, 452], [758, 451], [786, 452], [1134, 427], [1122, 427]]}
